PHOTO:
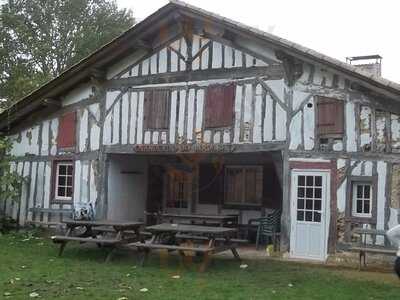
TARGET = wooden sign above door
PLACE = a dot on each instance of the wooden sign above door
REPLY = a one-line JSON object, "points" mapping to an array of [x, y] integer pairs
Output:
{"points": [[187, 148]]}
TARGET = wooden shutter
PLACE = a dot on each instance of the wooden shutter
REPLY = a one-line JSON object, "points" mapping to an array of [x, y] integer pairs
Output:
{"points": [[67, 131], [156, 109], [330, 116], [219, 106]]}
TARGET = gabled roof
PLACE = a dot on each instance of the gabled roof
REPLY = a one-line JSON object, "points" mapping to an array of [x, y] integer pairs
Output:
{"points": [[131, 39]]}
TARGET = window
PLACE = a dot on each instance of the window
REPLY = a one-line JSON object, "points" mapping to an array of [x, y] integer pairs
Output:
{"points": [[64, 180], [362, 199], [156, 109], [309, 198], [243, 185], [330, 117], [219, 106], [66, 131]]}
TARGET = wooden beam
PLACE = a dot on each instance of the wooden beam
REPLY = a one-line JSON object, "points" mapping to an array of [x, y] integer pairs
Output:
{"points": [[272, 72], [292, 66]]}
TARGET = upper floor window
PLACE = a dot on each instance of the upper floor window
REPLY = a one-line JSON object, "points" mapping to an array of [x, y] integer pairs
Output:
{"points": [[362, 199], [64, 180], [156, 109], [219, 106], [66, 131], [330, 117]]}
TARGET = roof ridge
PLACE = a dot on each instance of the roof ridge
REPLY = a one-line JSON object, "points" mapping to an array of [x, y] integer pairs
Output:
{"points": [[293, 45]]}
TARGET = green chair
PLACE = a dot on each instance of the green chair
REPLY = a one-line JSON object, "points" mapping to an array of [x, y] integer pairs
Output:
{"points": [[268, 228]]}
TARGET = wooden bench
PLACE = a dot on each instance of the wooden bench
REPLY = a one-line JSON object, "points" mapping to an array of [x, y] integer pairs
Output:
{"points": [[51, 210], [204, 238], [362, 247], [94, 231], [62, 238], [363, 250], [172, 247], [59, 211]]}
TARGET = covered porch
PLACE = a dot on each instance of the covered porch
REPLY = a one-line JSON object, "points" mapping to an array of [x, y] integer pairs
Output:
{"points": [[142, 186]]}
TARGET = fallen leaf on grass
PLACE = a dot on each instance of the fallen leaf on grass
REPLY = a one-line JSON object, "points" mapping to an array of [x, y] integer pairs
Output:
{"points": [[17, 279], [243, 266], [6, 294], [290, 285], [33, 295], [23, 267], [128, 275], [79, 288], [122, 298], [176, 276], [143, 290]]}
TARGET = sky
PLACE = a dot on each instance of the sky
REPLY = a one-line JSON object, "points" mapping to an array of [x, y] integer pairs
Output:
{"points": [[337, 28]]}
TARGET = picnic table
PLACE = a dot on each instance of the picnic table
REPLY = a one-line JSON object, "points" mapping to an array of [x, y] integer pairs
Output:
{"points": [[219, 220], [108, 233], [167, 236], [362, 246]]}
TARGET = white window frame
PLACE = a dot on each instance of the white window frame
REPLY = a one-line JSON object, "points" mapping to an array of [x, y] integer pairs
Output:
{"points": [[354, 199], [56, 196]]}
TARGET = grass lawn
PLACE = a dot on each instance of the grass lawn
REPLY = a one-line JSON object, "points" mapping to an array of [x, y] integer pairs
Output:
{"points": [[29, 264]]}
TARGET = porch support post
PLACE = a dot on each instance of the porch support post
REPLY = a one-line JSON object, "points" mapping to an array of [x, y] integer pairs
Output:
{"points": [[286, 180], [102, 206]]}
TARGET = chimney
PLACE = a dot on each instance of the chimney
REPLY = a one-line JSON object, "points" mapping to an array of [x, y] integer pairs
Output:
{"points": [[368, 63]]}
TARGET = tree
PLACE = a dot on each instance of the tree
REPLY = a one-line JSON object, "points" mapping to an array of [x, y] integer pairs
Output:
{"points": [[10, 182], [39, 39]]}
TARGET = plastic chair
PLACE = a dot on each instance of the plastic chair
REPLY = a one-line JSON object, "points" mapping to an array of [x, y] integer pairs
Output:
{"points": [[268, 227]]}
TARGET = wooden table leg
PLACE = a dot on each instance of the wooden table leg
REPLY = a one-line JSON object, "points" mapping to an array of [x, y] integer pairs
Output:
{"points": [[206, 261], [63, 244], [235, 253], [109, 255], [62, 247]]}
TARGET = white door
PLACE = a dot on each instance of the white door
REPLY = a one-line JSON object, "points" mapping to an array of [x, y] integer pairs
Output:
{"points": [[309, 214]]}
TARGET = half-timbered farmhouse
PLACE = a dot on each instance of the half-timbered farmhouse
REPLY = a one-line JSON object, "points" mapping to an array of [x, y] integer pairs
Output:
{"points": [[190, 112]]}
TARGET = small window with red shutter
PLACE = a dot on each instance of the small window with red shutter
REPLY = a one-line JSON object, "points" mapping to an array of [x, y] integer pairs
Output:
{"points": [[67, 131], [156, 109], [330, 117], [219, 106]]}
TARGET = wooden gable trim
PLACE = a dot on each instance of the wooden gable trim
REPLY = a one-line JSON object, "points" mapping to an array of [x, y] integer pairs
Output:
{"points": [[273, 72]]}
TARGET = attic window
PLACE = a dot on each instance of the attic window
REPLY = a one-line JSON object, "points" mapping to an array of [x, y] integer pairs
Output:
{"points": [[156, 109], [219, 106], [67, 131], [330, 117]]}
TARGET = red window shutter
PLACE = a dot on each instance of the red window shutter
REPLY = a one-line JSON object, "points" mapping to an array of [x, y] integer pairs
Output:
{"points": [[219, 106], [67, 131], [156, 109], [330, 116]]}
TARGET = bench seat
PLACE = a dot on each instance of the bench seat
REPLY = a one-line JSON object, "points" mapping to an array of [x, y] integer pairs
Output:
{"points": [[172, 247], [61, 238], [378, 250], [204, 238], [50, 210]]}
